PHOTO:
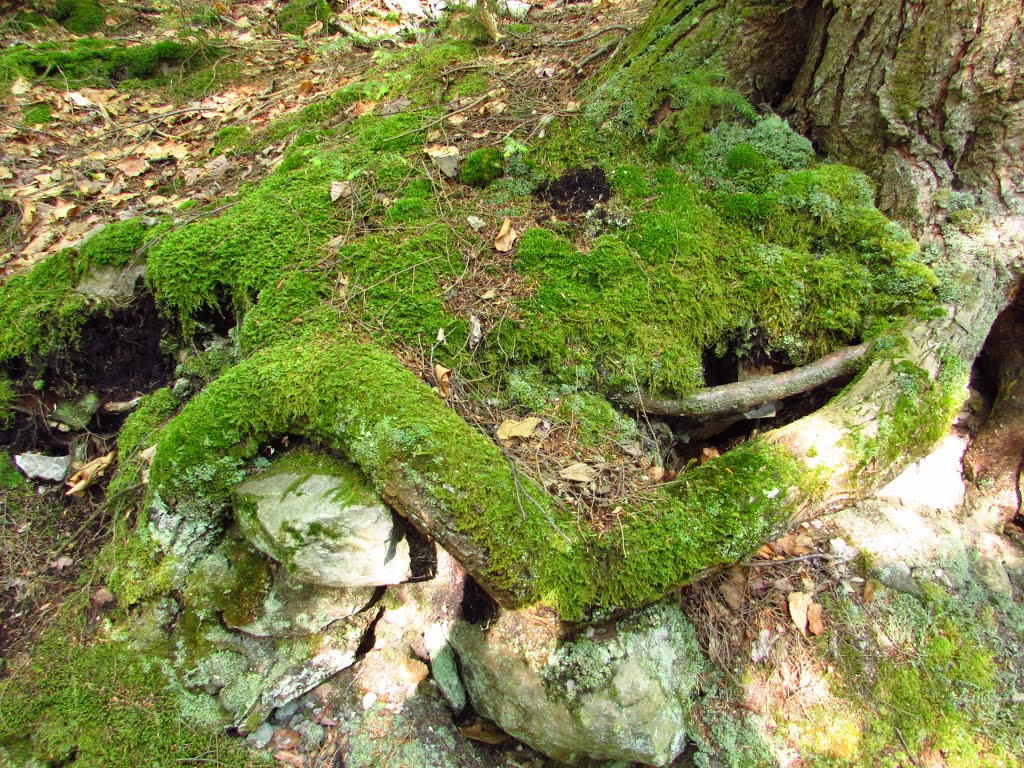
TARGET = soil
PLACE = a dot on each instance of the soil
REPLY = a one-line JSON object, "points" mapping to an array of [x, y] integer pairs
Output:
{"points": [[578, 190]]}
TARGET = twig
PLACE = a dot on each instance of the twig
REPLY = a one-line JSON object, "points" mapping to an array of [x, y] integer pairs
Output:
{"points": [[904, 743], [439, 120], [591, 36], [802, 558]]}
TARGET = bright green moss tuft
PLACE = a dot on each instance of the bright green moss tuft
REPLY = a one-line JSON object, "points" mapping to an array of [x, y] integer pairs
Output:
{"points": [[116, 244], [37, 114], [83, 17], [482, 166], [298, 15], [11, 478]]}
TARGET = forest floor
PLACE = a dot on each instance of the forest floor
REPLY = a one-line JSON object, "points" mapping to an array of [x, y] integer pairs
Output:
{"points": [[833, 646]]}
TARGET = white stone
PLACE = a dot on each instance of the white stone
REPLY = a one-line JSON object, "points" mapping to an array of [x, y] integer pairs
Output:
{"points": [[40, 467], [326, 529]]}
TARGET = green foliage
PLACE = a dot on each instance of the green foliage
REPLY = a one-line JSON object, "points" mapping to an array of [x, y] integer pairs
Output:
{"points": [[482, 166], [297, 15], [37, 114], [83, 17], [7, 398], [116, 244], [99, 704]]}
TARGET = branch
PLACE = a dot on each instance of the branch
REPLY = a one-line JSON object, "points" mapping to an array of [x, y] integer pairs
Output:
{"points": [[742, 396]]}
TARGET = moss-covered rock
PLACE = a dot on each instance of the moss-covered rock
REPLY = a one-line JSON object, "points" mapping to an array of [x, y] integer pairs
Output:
{"points": [[83, 17], [623, 695], [298, 15]]}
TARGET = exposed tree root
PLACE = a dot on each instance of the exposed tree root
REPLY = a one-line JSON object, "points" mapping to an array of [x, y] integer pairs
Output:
{"points": [[741, 396]]}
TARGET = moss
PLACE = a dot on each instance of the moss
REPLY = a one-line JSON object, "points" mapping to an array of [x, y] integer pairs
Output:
{"points": [[83, 17], [298, 15], [11, 478], [231, 138], [916, 416], [137, 434], [101, 62], [482, 166], [99, 703], [39, 309], [37, 114], [8, 396], [233, 581], [116, 244]]}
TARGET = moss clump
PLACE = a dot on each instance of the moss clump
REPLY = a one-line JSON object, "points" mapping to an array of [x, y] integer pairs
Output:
{"points": [[482, 166], [37, 114], [101, 63], [7, 398], [116, 244], [298, 15], [83, 17], [11, 478], [99, 703]]}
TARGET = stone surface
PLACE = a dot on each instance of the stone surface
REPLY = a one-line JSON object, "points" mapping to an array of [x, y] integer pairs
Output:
{"points": [[318, 518], [292, 608], [622, 694], [993, 574], [112, 283], [39, 467], [77, 414]]}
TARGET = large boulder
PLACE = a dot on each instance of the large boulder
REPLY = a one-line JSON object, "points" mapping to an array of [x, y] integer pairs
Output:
{"points": [[317, 517], [619, 692]]}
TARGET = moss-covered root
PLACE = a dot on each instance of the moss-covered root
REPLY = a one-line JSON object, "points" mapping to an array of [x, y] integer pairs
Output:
{"points": [[456, 485]]}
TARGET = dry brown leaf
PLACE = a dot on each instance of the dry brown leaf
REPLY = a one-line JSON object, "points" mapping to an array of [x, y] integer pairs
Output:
{"points": [[313, 29], [732, 594], [89, 474], [485, 733], [799, 602], [20, 86], [306, 87], [815, 623], [488, 295], [285, 739], [506, 237], [869, 592], [340, 189], [290, 758], [655, 473], [443, 377], [361, 108], [62, 209], [522, 428], [133, 166], [579, 473]]}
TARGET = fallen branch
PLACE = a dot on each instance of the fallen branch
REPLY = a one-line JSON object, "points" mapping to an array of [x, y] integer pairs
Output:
{"points": [[743, 396]]}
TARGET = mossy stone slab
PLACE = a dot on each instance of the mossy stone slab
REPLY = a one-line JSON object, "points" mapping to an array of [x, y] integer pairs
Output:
{"points": [[325, 526]]}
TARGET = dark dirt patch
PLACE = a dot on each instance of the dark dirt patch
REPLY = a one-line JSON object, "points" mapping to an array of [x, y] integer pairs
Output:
{"points": [[578, 190]]}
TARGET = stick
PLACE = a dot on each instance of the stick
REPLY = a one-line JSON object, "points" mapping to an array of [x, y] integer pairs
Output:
{"points": [[729, 399]]}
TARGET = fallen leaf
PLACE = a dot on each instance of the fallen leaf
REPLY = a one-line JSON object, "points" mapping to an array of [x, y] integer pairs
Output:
{"points": [[815, 623], [457, 119], [522, 428], [762, 647], [799, 602], [61, 563], [20, 86], [6, 173], [313, 29], [655, 473], [89, 474], [361, 108], [340, 189], [306, 87], [496, 107], [476, 331], [78, 99], [485, 733], [441, 336], [488, 295], [289, 758], [443, 377], [869, 592], [286, 738], [732, 594], [62, 209], [396, 106], [103, 598], [217, 166], [446, 158], [133, 166], [506, 237], [579, 473]]}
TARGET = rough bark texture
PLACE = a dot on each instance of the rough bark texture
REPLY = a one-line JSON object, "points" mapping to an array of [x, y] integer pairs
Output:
{"points": [[994, 463]]}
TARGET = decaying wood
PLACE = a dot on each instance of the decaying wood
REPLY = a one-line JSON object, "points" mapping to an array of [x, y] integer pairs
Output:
{"points": [[742, 396]]}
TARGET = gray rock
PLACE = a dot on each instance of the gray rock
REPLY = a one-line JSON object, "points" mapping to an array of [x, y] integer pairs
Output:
{"points": [[39, 467], [292, 608], [259, 738], [993, 574], [317, 517], [77, 415], [624, 694], [112, 283], [313, 735], [898, 576]]}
